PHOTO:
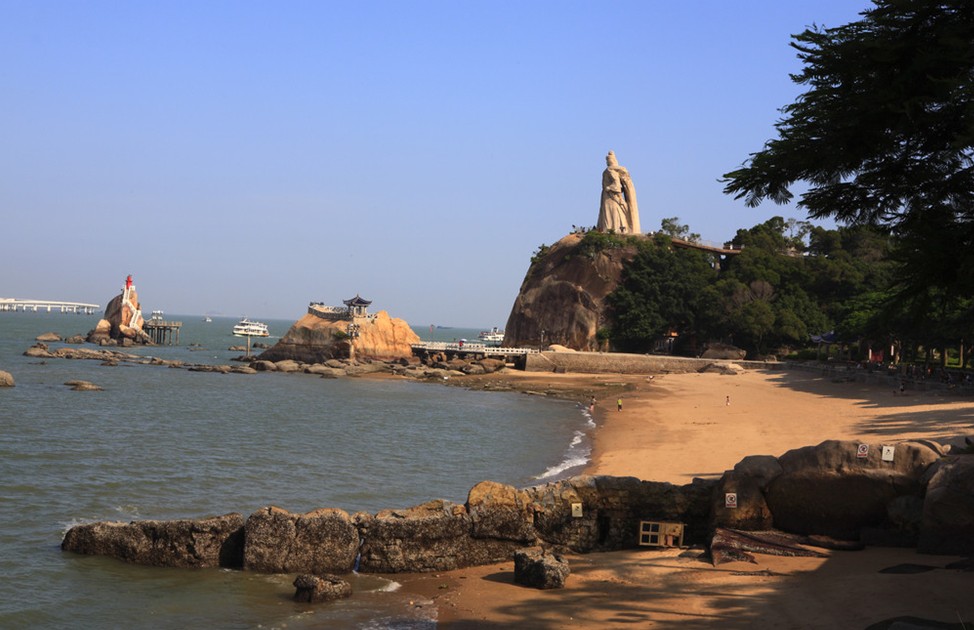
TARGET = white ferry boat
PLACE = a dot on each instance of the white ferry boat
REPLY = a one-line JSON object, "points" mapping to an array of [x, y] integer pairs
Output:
{"points": [[248, 328], [494, 336]]}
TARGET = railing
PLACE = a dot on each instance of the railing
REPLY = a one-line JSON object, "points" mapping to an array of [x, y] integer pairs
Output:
{"points": [[334, 313], [725, 248], [472, 348]]}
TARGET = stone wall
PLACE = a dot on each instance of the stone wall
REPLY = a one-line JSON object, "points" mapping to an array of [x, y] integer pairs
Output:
{"points": [[623, 363]]}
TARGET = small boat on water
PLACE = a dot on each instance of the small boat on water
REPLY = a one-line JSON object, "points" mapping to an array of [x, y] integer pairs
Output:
{"points": [[207, 319], [248, 328], [494, 336]]}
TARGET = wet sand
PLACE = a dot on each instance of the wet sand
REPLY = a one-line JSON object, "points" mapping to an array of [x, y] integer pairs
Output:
{"points": [[676, 427]]}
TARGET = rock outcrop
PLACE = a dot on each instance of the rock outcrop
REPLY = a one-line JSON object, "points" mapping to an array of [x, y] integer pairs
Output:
{"points": [[323, 541], [434, 536], [122, 321], [829, 489], [313, 339], [564, 293], [208, 542], [6, 379]]}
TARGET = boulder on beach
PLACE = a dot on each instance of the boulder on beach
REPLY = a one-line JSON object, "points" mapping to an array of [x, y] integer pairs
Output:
{"points": [[539, 569], [6, 379], [947, 525]]}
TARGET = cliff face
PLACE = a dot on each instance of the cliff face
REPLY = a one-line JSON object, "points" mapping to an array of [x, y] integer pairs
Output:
{"points": [[564, 294], [312, 339]]}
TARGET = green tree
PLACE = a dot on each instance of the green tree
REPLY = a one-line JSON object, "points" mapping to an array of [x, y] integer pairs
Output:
{"points": [[662, 289], [673, 227], [884, 135]]}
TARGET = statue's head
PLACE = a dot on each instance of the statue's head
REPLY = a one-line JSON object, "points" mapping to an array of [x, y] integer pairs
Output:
{"points": [[610, 159]]}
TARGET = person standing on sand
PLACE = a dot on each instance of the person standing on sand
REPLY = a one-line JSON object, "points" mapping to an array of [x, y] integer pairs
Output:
{"points": [[619, 404], [591, 405]]}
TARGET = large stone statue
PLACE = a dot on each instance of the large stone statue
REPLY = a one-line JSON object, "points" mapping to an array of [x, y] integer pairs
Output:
{"points": [[618, 211]]}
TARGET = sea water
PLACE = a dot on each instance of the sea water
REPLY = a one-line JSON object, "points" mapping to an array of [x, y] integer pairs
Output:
{"points": [[165, 443]]}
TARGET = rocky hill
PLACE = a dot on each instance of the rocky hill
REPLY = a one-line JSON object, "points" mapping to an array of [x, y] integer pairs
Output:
{"points": [[564, 291], [313, 339]]}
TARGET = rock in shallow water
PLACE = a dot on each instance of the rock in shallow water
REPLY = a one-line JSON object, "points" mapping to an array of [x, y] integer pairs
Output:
{"points": [[320, 588]]}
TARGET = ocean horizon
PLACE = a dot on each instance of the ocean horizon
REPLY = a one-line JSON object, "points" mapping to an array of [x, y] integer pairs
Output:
{"points": [[165, 443]]}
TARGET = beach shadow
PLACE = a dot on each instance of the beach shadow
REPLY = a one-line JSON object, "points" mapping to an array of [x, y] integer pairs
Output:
{"points": [[893, 413], [616, 590], [500, 577]]}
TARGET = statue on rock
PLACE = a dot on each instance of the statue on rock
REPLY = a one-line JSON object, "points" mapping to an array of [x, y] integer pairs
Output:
{"points": [[618, 211]]}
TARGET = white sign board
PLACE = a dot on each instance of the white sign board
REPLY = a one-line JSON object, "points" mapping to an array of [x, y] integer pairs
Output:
{"points": [[863, 451], [888, 453], [577, 510]]}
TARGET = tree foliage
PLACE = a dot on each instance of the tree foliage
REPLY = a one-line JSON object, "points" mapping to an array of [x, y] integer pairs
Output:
{"points": [[662, 289], [672, 227], [884, 136], [768, 297]]}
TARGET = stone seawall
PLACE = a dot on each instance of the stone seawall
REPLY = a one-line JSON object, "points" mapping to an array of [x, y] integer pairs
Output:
{"points": [[911, 493], [622, 363]]}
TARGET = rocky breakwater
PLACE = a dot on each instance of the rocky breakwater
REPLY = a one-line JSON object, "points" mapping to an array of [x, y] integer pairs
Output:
{"points": [[819, 495], [313, 339], [440, 535]]}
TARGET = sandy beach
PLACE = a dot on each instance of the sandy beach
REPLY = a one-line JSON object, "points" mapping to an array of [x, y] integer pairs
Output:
{"points": [[680, 426]]}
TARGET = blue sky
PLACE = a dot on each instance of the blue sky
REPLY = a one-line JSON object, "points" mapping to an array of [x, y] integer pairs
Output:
{"points": [[245, 158]]}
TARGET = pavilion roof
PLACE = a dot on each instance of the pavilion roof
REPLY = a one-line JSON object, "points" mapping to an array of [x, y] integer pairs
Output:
{"points": [[356, 301]]}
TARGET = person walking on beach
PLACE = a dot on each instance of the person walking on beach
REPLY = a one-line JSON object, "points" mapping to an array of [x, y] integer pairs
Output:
{"points": [[591, 405], [619, 404]]}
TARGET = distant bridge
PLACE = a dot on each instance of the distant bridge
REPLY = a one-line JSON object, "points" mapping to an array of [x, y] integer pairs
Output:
{"points": [[14, 304]]}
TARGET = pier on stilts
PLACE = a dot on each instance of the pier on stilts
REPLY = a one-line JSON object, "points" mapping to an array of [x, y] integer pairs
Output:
{"points": [[161, 331], [465, 350]]}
